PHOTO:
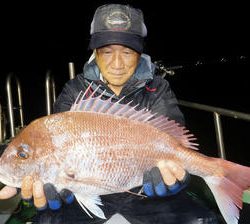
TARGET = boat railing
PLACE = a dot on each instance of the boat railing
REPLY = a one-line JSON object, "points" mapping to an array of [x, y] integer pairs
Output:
{"points": [[9, 89], [2, 124], [50, 92], [50, 87], [217, 113], [72, 72]]}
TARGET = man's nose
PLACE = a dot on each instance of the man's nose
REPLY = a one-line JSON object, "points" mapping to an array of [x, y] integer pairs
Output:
{"points": [[118, 62]]}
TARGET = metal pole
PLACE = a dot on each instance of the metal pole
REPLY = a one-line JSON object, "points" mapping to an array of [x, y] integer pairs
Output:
{"points": [[20, 102], [219, 135], [221, 111], [10, 106], [10, 102], [71, 70], [50, 86], [217, 112]]}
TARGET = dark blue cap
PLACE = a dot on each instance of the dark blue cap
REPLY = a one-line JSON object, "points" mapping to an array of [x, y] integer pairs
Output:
{"points": [[118, 24]]}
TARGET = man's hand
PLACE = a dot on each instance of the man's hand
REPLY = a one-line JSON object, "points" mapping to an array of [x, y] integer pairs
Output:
{"points": [[7, 192], [167, 178], [43, 195]]}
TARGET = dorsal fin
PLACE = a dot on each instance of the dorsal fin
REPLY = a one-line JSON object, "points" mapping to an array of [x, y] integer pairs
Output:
{"points": [[96, 104]]}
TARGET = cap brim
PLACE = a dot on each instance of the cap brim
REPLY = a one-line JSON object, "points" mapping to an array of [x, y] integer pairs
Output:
{"points": [[102, 39]]}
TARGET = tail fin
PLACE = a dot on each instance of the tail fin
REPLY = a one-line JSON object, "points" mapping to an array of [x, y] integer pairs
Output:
{"points": [[228, 188]]}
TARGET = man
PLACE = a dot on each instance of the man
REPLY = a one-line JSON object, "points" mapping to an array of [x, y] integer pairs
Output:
{"points": [[119, 68]]}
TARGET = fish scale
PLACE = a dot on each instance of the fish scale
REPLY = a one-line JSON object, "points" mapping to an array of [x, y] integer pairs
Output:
{"points": [[100, 147]]}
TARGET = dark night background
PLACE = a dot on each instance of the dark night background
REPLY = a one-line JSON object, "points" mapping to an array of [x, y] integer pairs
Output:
{"points": [[209, 40]]}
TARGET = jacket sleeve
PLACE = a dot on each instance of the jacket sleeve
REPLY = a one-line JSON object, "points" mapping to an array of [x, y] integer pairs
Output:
{"points": [[165, 102], [64, 100]]}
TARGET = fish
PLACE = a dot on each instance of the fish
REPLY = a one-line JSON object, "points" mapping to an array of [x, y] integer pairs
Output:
{"points": [[101, 146]]}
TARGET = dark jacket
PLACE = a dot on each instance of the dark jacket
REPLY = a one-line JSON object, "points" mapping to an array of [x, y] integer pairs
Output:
{"points": [[145, 88]]}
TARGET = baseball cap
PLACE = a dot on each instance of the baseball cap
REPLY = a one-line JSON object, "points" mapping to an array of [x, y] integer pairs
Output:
{"points": [[118, 24]]}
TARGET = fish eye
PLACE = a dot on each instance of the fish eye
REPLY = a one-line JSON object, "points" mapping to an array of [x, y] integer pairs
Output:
{"points": [[23, 151], [22, 155]]}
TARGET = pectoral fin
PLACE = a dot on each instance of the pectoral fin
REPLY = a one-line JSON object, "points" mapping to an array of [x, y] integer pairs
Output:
{"points": [[91, 203]]}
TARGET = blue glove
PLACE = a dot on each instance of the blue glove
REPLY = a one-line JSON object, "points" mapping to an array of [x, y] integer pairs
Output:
{"points": [[56, 199], [153, 184]]}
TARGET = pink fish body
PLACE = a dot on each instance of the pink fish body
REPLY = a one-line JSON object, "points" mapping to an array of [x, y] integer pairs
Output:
{"points": [[101, 147]]}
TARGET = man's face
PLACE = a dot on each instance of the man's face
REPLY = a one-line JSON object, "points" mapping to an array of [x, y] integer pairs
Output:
{"points": [[117, 64]]}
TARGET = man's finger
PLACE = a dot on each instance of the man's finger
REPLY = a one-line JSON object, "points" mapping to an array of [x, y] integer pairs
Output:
{"points": [[158, 182], [27, 188], [148, 187], [174, 175], [52, 196], [67, 196], [7, 192], [178, 171], [39, 196], [167, 175]]}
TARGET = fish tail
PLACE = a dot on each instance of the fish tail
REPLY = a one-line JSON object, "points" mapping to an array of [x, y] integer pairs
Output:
{"points": [[228, 188]]}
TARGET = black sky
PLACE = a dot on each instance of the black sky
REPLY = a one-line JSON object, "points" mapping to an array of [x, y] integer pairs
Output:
{"points": [[49, 32]]}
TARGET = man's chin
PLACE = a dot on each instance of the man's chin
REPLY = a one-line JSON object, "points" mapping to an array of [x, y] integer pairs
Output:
{"points": [[117, 84]]}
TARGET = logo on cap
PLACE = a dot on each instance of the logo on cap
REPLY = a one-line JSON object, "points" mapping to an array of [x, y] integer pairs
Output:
{"points": [[118, 21]]}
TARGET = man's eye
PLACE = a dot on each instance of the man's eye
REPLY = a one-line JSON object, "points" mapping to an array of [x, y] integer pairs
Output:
{"points": [[127, 52], [107, 52]]}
